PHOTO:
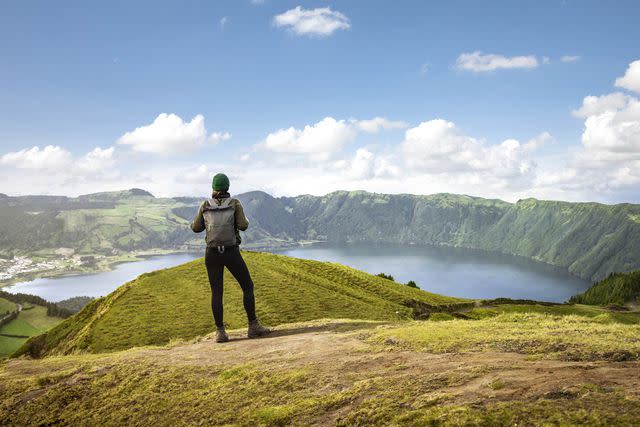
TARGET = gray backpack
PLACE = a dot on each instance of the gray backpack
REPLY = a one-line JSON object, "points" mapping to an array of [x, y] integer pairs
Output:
{"points": [[220, 222]]}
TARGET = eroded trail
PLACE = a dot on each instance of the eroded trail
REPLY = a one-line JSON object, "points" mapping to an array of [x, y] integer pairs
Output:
{"points": [[323, 373]]}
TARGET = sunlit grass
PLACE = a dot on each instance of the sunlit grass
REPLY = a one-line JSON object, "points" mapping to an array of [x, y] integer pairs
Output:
{"points": [[516, 329], [175, 303]]}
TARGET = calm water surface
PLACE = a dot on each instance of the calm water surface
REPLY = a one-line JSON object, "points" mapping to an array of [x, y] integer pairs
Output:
{"points": [[454, 271], [449, 271], [98, 284]]}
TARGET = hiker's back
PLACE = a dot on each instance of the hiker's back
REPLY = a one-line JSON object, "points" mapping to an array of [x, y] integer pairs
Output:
{"points": [[219, 220]]}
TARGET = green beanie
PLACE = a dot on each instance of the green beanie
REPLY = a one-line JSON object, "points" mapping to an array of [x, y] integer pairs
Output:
{"points": [[220, 182]]}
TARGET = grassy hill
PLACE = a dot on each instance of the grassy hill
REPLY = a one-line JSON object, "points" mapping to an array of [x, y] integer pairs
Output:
{"points": [[174, 304], [6, 306], [32, 321], [154, 360], [618, 288]]}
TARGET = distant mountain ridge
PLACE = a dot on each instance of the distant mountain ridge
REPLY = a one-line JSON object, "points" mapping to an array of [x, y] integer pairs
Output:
{"points": [[591, 240]]}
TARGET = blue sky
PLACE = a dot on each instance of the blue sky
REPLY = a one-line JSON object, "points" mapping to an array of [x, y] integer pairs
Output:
{"points": [[78, 76]]}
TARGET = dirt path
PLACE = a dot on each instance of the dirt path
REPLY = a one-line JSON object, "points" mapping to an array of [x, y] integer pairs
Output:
{"points": [[338, 354]]}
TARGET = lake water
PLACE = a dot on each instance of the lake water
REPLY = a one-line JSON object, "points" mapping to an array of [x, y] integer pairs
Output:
{"points": [[448, 271], [98, 284], [454, 271]]}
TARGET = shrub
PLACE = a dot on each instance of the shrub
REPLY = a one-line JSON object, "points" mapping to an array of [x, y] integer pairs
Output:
{"points": [[386, 276]]}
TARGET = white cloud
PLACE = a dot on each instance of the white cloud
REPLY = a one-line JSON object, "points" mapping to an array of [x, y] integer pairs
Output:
{"points": [[257, 1], [594, 105], [439, 147], [538, 141], [216, 137], [607, 163], [570, 58], [63, 171], [48, 158], [320, 22], [223, 22], [612, 135], [97, 160], [326, 138], [479, 62], [379, 123], [365, 165], [169, 134], [631, 79], [319, 141]]}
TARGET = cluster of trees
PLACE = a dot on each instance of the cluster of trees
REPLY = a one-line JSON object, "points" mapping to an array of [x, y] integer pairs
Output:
{"points": [[52, 309], [410, 283], [618, 289], [8, 318]]}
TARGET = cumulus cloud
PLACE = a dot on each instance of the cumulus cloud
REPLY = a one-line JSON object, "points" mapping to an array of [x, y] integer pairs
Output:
{"points": [[480, 62], [538, 141], [322, 140], [97, 160], [608, 160], [320, 22], [631, 79], [612, 135], [50, 157], [22, 170], [379, 123], [216, 137], [439, 147], [318, 141], [169, 134], [594, 105], [570, 58]]}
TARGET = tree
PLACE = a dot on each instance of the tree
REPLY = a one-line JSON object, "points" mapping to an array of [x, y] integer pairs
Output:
{"points": [[386, 276]]}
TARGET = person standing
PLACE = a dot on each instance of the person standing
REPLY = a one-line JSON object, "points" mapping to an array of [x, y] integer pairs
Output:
{"points": [[223, 218]]}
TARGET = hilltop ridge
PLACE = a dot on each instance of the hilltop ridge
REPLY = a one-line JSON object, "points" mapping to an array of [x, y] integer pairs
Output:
{"points": [[174, 303]]}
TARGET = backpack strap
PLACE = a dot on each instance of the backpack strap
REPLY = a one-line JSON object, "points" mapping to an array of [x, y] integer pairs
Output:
{"points": [[225, 204]]}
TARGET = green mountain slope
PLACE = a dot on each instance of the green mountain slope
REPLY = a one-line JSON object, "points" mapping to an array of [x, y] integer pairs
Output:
{"points": [[174, 304], [31, 321], [590, 240], [618, 288]]}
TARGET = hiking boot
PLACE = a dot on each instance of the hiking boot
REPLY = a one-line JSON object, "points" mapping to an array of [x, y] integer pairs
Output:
{"points": [[221, 335], [256, 330]]}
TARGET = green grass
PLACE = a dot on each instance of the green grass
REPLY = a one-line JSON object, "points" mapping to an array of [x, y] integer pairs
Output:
{"points": [[6, 306], [29, 323], [10, 344], [155, 386], [174, 303], [20, 327], [532, 330]]}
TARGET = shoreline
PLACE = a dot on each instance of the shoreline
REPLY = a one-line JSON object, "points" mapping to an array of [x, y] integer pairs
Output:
{"points": [[109, 263]]}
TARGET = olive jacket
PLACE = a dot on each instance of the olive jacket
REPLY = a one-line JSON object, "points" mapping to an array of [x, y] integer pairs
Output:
{"points": [[198, 225]]}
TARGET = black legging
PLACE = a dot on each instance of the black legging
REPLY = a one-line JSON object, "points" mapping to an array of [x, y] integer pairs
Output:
{"points": [[232, 259]]}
